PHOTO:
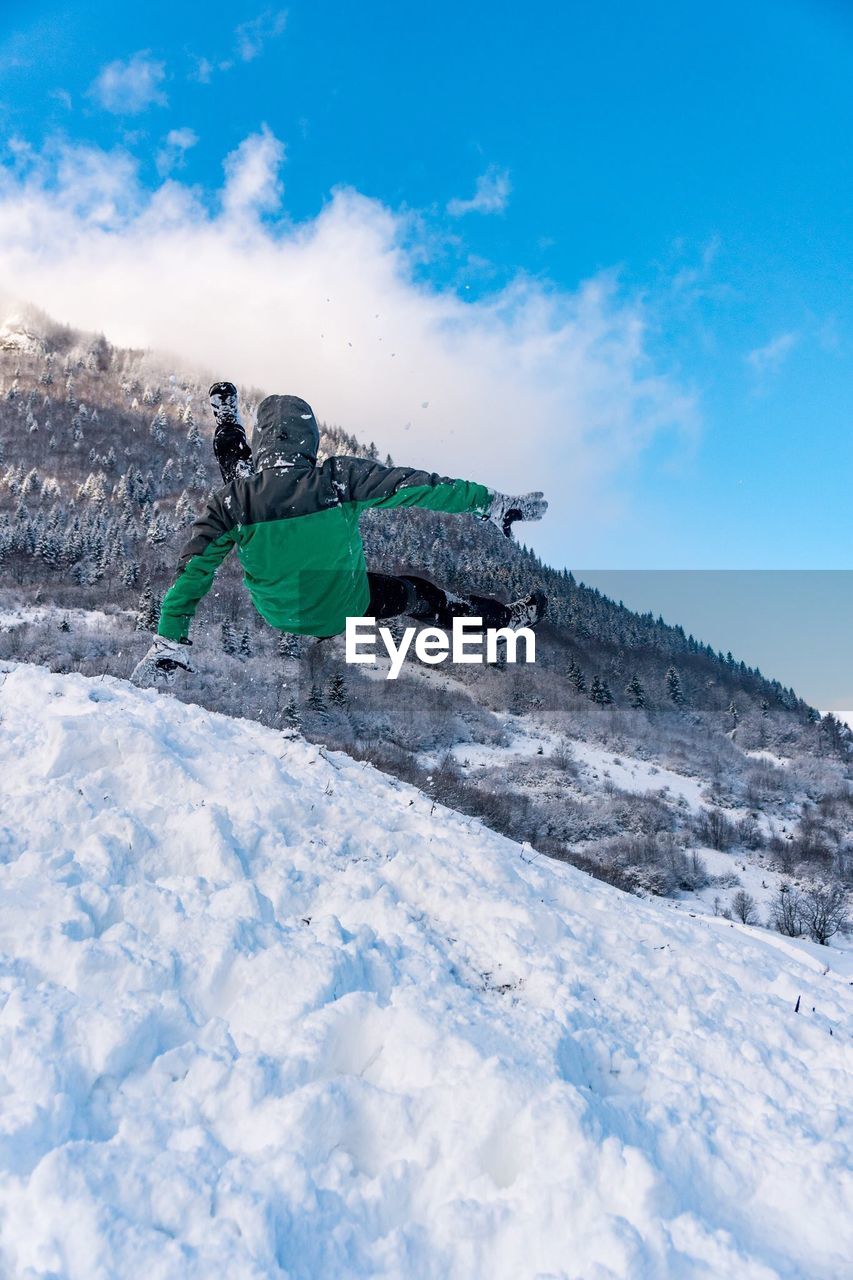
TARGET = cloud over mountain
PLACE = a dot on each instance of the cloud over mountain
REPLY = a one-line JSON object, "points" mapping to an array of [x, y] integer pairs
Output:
{"points": [[531, 386]]}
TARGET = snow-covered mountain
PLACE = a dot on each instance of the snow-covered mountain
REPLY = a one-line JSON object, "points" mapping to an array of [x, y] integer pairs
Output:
{"points": [[270, 1013]]}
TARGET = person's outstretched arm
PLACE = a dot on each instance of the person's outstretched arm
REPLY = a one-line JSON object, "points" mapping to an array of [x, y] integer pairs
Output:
{"points": [[210, 540], [369, 484]]}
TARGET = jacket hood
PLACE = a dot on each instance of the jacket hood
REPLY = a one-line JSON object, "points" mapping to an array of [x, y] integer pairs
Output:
{"points": [[286, 429]]}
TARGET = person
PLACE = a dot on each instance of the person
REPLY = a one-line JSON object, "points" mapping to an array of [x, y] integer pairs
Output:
{"points": [[294, 523]]}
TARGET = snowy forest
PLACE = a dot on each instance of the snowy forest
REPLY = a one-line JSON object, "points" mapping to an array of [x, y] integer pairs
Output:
{"points": [[105, 458]]}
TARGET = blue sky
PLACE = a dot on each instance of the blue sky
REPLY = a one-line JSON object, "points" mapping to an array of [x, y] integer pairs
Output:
{"points": [[694, 160]]}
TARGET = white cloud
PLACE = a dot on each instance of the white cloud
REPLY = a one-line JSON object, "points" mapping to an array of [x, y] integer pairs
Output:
{"points": [[531, 387], [490, 196], [202, 71], [175, 147], [127, 88], [248, 42], [770, 358], [251, 175], [253, 35]]}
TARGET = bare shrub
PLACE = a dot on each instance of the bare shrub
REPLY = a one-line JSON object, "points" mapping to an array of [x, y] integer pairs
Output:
{"points": [[563, 757], [713, 828], [748, 833], [743, 907], [786, 911], [764, 781], [825, 911]]}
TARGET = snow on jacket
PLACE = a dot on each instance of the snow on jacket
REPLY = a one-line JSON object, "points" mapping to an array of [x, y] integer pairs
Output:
{"points": [[295, 527]]}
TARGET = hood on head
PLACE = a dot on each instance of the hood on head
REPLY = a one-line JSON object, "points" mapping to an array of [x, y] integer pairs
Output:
{"points": [[286, 429]]}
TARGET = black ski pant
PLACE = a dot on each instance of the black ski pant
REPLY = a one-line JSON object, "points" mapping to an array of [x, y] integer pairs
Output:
{"points": [[419, 598], [390, 597]]}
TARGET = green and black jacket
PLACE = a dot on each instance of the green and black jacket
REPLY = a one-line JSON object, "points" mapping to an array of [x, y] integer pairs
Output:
{"points": [[295, 527]]}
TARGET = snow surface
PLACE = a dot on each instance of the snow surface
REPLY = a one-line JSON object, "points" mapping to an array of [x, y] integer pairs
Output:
{"points": [[525, 739], [268, 1013], [22, 615]]}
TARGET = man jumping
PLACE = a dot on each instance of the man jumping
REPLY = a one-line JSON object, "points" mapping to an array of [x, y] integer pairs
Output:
{"points": [[295, 526]]}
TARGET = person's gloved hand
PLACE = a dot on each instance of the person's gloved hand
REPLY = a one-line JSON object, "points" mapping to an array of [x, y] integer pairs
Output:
{"points": [[504, 510], [162, 660]]}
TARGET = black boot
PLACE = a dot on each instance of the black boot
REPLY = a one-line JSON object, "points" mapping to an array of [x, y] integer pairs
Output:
{"points": [[527, 612]]}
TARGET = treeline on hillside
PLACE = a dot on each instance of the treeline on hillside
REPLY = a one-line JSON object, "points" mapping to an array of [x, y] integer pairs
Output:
{"points": [[106, 465]]}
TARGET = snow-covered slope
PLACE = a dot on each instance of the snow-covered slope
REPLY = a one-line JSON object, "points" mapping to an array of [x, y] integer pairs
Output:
{"points": [[266, 1014]]}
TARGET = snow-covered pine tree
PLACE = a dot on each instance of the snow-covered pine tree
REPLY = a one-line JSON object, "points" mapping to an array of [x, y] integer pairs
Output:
{"points": [[673, 686], [599, 692], [290, 717], [193, 434], [576, 677], [636, 693], [289, 645], [316, 702], [148, 609], [158, 426], [228, 638], [184, 510], [338, 694]]}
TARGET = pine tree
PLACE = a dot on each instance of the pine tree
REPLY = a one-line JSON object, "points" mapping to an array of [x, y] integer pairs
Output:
{"points": [[184, 510], [228, 637], [338, 695], [130, 573], [636, 693], [289, 645], [599, 692], [193, 436], [148, 609], [316, 702], [576, 677], [158, 426], [290, 717], [673, 686], [245, 644]]}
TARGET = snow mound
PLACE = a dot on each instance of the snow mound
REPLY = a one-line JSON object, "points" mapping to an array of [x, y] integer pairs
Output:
{"points": [[266, 1013]]}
